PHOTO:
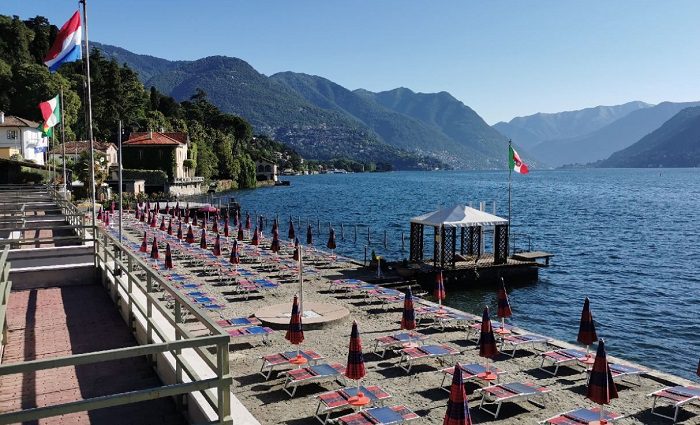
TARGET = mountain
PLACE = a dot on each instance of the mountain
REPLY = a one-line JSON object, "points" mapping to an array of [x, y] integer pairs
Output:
{"points": [[533, 129], [477, 142], [323, 120], [675, 144], [613, 137]]}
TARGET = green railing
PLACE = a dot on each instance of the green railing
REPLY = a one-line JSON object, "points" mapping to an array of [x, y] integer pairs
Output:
{"points": [[5, 287]]}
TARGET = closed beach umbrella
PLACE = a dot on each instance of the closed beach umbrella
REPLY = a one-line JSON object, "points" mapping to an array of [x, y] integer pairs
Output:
{"points": [[194, 219], [168, 257], [217, 246], [215, 226], [698, 368], [157, 207], [100, 214], [275, 246], [234, 258], [170, 227], [439, 288], [190, 234], [275, 227], [295, 332], [236, 219], [149, 218], [240, 232], [295, 256], [290, 233], [309, 235], [457, 406], [261, 224], [167, 209], [137, 213], [154, 249], [177, 206], [111, 207], [226, 229], [179, 230], [356, 364], [247, 221], [331, 239], [256, 239], [142, 217], [187, 216], [586, 331], [203, 240], [601, 387], [408, 318], [162, 224], [106, 218], [154, 221], [144, 244], [148, 205], [487, 342], [504, 309]]}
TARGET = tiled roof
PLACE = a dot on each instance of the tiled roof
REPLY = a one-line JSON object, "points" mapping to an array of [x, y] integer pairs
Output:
{"points": [[13, 121], [80, 146], [156, 138]]}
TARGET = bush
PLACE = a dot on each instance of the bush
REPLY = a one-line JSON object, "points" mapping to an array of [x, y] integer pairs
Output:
{"points": [[31, 177], [152, 177]]}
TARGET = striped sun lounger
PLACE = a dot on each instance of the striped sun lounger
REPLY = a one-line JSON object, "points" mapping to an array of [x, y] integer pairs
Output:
{"points": [[563, 357], [581, 416], [272, 361], [380, 416], [338, 399], [238, 334], [620, 372], [396, 340], [306, 375], [470, 372], [410, 355], [238, 322], [516, 341], [510, 393], [676, 397]]}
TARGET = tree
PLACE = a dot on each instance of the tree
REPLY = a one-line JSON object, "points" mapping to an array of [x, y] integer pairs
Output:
{"points": [[82, 168]]}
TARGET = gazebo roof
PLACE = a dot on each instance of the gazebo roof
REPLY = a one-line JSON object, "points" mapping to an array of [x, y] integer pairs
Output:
{"points": [[458, 216]]}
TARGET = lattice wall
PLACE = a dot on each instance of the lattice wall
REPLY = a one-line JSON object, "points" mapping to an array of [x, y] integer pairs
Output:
{"points": [[416, 248], [500, 254]]}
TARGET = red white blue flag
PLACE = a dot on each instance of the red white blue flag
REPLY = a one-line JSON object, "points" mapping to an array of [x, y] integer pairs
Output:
{"points": [[67, 46]]}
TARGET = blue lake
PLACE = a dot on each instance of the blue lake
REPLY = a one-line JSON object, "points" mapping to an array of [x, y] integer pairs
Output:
{"points": [[628, 239]]}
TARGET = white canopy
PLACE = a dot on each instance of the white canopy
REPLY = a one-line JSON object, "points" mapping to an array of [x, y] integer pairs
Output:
{"points": [[458, 216]]}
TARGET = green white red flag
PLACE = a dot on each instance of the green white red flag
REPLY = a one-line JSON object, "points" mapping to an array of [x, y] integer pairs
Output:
{"points": [[515, 163], [51, 112]]}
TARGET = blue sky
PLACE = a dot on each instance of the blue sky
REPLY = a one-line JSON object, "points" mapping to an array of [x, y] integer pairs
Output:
{"points": [[502, 58]]}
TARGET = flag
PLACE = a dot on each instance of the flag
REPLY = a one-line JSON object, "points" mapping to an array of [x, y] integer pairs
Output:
{"points": [[45, 131], [515, 163], [67, 46], [51, 112]]}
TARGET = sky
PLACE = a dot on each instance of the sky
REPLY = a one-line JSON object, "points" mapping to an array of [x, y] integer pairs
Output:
{"points": [[503, 58]]}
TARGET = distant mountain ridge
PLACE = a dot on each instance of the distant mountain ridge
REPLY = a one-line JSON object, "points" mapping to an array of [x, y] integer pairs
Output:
{"points": [[321, 119], [675, 144]]}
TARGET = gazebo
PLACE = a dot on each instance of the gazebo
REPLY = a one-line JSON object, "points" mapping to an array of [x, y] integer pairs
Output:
{"points": [[470, 223]]}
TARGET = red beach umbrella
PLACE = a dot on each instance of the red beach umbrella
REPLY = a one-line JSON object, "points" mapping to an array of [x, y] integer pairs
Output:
{"points": [[203, 240], [247, 221], [240, 232], [226, 229], [137, 213], [290, 232], [295, 256], [586, 331], [194, 219], [168, 257], [601, 387], [275, 226], [215, 226], [153, 220], [179, 230], [408, 318], [295, 332], [439, 288], [144, 244], [234, 258], [275, 246], [261, 224], [236, 219], [106, 218], [487, 342], [148, 220], [154, 249], [157, 211], [167, 209], [99, 214], [217, 246], [457, 406], [111, 207], [142, 217], [148, 205], [255, 240], [504, 309], [309, 235], [162, 224], [331, 239], [190, 235], [187, 216], [356, 364], [170, 227]]}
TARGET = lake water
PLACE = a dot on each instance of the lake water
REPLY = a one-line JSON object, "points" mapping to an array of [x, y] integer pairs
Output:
{"points": [[628, 239]]}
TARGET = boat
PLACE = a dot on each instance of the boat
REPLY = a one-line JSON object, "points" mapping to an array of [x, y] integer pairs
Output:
{"points": [[282, 183]]}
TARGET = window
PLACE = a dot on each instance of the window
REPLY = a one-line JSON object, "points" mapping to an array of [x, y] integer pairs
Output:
{"points": [[11, 134]]}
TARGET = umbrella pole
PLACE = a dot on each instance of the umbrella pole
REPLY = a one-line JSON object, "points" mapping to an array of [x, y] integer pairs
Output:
{"points": [[503, 322], [301, 282]]}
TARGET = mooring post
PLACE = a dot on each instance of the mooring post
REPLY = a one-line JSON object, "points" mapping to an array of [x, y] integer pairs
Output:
{"points": [[403, 242], [342, 232], [365, 261], [385, 239]]}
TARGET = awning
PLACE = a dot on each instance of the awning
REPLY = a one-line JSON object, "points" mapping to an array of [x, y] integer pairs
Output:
{"points": [[458, 216]]}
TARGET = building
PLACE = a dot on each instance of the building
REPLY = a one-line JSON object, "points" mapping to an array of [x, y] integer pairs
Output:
{"points": [[76, 148], [21, 136], [265, 170]]}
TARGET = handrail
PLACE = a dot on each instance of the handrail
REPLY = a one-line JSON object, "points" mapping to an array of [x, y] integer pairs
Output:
{"points": [[5, 287]]}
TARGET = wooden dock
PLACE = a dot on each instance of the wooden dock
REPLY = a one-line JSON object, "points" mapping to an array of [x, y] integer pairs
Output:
{"points": [[534, 256]]}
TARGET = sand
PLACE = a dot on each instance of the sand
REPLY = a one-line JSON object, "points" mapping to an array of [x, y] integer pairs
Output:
{"points": [[418, 390]]}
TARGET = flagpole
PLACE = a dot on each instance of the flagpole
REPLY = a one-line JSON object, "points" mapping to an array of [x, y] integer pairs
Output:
{"points": [[89, 123], [121, 211], [510, 171], [63, 149]]}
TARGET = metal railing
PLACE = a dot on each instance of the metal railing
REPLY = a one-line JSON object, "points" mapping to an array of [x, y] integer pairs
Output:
{"points": [[5, 287], [139, 292]]}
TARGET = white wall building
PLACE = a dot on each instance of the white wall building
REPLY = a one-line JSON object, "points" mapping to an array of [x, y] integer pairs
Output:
{"points": [[21, 136]]}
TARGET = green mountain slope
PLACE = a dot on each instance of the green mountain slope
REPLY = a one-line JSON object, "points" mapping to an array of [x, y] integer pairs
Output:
{"points": [[675, 144]]}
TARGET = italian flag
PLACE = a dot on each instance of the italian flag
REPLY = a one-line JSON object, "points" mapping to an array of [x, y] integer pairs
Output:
{"points": [[51, 112], [515, 163]]}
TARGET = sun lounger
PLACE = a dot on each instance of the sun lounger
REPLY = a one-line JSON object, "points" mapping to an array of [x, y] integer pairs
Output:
{"points": [[277, 360], [310, 374], [238, 334], [676, 397], [338, 399], [410, 355], [345, 284], [238, 322], [582, 416], [620, 372], [395, 340], [510, 393], [380, 416], [517, 341], [470, 372], [562, 357], [452, 318], [475, 329]]}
